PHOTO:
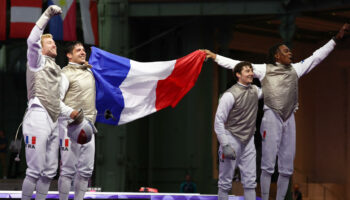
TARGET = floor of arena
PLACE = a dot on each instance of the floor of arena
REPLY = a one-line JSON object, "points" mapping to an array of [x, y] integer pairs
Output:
{"points": [[125, 195]]}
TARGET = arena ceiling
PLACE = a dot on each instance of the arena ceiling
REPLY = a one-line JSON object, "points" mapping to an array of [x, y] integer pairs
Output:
{"points": [[314, 19]]}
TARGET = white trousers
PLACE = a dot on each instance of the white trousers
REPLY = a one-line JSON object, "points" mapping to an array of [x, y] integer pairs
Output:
{"points": [[40, 136], [246, 161], [75, 158], [278, 139]]}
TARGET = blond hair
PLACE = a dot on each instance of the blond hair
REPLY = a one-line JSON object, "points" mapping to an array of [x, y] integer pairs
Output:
{"points": [[44, 36]]}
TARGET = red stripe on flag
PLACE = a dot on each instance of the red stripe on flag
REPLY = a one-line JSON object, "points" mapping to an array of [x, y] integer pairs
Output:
{"points": [[69, 24], [33, 139], [66, 142], [171, 90], [20, 29], [94, 19], [26, 3], [2, 19]]}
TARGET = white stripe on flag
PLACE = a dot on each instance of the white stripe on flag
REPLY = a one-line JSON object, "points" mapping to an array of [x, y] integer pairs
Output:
{"points": [[139, 88], [86, 20], [25, 14]]}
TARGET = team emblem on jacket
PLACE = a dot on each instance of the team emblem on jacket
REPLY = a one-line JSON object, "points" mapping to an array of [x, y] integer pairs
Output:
{"points": [[64, 144], [30, 142]]}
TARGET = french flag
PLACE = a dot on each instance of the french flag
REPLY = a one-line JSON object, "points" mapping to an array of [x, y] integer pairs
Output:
{"points": [[24, 14], [63, 26], [30, 140], [88, 9], [131, 90], [64, 142]]}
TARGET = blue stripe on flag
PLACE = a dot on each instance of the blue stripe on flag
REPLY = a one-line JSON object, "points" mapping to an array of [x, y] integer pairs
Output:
{"points": [[56, 25], [60, 142], [110, 71], [27, 139]]}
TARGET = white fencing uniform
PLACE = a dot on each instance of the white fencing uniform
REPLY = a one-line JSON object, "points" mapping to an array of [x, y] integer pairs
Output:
{"points": [[278, 129], [40, 130], [235, 122], [77, 161]]}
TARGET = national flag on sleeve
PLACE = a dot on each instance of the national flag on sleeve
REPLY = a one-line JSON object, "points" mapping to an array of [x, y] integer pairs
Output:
{"points": [[131, 90], [30, 140], [89, 17], [63, 26], [64, 142], [24, 14], [2, 19]]}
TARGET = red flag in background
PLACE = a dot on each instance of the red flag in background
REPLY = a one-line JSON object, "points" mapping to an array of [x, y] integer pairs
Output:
{"points": [[24, 14], [89, 18], [2, 19]]}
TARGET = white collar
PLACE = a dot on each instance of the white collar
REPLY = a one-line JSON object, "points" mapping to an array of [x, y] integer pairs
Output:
{"points": [[73, 63], [243, 84]]}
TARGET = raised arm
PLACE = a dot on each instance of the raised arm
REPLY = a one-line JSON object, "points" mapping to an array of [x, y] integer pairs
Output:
{"points": [[259, 69], [34, 55], [260, 93], [305, 66]]}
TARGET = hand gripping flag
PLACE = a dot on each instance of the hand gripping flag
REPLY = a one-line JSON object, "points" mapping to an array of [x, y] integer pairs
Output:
{"points": [[131, 90], [63, 26]]}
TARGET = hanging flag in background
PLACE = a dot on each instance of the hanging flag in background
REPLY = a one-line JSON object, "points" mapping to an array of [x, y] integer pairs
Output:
{"points": [[2, 19], [89, 17], [24, 14], [63, 26], [131, 90]]}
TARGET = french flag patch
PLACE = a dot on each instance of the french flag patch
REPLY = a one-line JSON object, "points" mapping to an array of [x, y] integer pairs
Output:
{"points": [[64, 142], [30, 140]]}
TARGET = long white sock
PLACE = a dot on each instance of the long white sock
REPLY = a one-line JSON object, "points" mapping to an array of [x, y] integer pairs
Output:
{"points": [[64, 184], [265, 181], [80, 187], [249, 194], [222, 195], [28, 187], [282, 186], [42, 188]]}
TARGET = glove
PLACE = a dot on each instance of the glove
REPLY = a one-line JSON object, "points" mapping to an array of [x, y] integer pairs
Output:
{"points": [[79, 118], [343, 30], [45, 17], [229, 152]]}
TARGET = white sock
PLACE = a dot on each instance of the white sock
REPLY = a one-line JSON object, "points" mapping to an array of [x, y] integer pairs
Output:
{"points": [[64, 184], [28, 187], [249, 194], [282, 186], [265, 181], [222, 195], [80, 187], [42, 188]]}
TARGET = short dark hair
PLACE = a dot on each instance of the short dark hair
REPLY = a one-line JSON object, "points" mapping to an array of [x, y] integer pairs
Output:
{"points": [[272, 52], [239, 67], [70, 46]]}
